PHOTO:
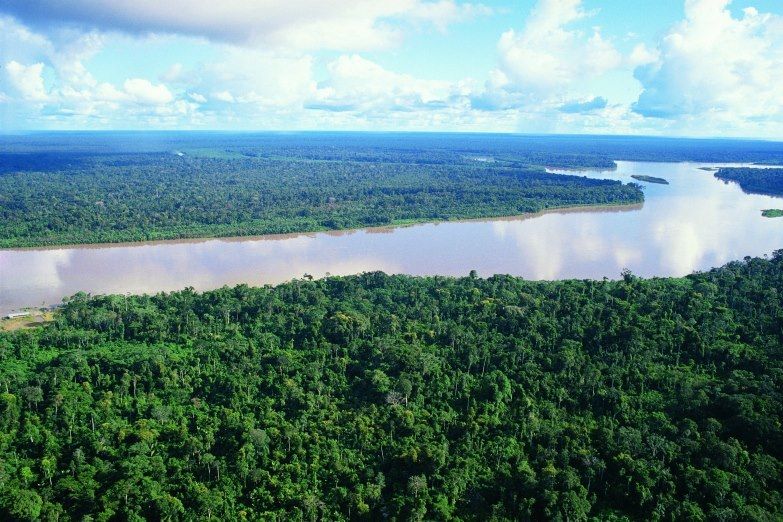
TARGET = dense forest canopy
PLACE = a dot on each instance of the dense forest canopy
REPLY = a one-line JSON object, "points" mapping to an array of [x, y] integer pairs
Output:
{"points": [[83, 187], [99, 190], [564, 151], [58, 188], [394, 397], [755, 180]]}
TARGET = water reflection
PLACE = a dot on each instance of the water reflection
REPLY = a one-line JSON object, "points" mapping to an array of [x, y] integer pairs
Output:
{"points": [[693, 223]]}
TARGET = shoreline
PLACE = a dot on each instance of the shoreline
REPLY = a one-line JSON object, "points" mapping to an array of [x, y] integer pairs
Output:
{"points": [[385, 228], [614, 207]]}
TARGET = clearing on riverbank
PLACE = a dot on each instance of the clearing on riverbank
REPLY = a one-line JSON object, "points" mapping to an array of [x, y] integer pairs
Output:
{"points": [[35, 319]]}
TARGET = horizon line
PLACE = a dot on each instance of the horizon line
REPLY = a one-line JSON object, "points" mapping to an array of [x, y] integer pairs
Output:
{"points": [[400, 132]]}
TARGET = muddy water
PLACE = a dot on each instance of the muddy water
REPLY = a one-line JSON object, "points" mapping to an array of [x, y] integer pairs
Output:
{"points": [[694, 223]]}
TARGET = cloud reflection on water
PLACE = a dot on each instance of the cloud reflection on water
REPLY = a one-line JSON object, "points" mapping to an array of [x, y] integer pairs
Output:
{"points": [[692, 224]]}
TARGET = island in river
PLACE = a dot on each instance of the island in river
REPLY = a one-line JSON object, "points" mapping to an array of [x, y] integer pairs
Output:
{"points": [[377, 396], [772, 213], [78, 188], [650, 179], [239, 186], [589, 242]]}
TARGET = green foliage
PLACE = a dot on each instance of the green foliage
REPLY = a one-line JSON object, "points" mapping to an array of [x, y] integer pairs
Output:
{"points": [[375, 396], [137, 197], [772, 212], [755, 180], [650, 179]]}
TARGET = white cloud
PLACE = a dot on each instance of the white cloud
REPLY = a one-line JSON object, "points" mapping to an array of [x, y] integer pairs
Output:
{"points": [[103, 92], [173, 73], [584, 106], [715, 66], [642, 55], [443, 13], [70, 90], [548, 71], [547, 55], [308, 24], [69, 50], [357, 83], [711, 73], [260, 78], [20, 42], [143, 91], [27, 80], [223, 96], [63, 51]]}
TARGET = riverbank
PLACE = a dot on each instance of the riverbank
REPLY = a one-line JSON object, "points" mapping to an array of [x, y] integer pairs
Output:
{"points": [[131, 392], [581, 242], [630, 206], [34, 319]]}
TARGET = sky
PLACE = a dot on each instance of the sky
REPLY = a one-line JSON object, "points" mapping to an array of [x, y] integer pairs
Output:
{"points": [[703, 68]]}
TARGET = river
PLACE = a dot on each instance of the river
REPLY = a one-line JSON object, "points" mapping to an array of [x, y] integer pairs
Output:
{"points": [[694, 223]]}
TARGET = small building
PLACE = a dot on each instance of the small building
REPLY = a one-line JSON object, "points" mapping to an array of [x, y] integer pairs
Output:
{"points": [[14, 315]]}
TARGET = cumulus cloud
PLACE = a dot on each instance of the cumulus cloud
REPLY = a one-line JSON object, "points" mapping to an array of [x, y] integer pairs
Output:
{"points": [[263, 79], [143, 91], [642, 55], [196, 97], [67, 52], [443, 13], [576, 106], [223, 96], [548, 55], [551, 59], [713, 64], [20, 42], [45, 81], [335, 24], [173, 73], [27, 80], [356, 83], [554, 72]]}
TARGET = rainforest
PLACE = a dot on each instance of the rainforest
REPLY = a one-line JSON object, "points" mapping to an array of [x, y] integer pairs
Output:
{"points": [[396, 397], [82, 187]]}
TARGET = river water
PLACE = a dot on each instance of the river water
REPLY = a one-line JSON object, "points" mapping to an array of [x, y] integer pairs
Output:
{"points": [[694, 223]]}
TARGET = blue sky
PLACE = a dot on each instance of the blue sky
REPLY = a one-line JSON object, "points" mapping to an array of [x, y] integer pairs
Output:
{"points": [[673, 67]]}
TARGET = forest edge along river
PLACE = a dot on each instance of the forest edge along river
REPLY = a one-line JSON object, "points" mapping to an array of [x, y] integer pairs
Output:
{"points": [[694, 223]]}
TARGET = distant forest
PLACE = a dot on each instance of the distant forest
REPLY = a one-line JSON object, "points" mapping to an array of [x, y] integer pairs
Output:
{"points": [[755, 180], [377, 397], [548, 150], [58, 188], [94, 191]]}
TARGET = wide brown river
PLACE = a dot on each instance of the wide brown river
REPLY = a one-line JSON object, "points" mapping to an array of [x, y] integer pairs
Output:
{"points": [[694, 223]]}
